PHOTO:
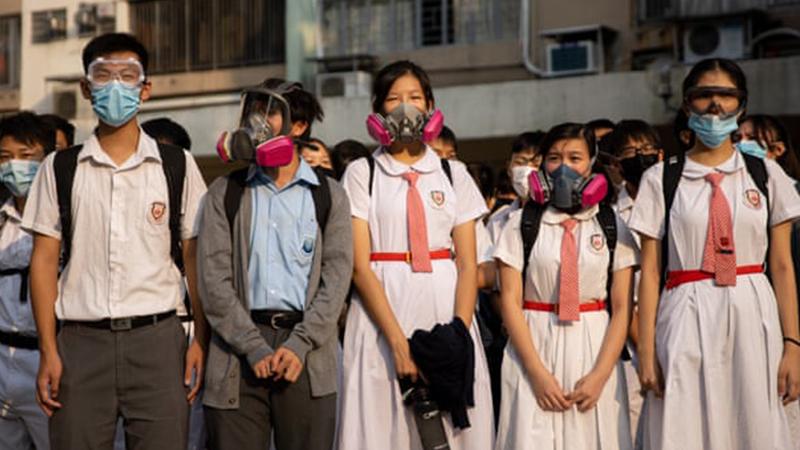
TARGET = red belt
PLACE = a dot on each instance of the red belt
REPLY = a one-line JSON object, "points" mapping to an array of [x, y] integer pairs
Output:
{"points": [[676, 278], [406, 256], [594, 305]]}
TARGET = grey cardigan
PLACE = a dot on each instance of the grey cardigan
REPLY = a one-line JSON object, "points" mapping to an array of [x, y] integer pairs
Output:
{"points": [[222, 279]]}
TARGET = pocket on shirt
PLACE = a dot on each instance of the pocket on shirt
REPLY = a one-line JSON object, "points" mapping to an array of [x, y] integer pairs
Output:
{"points": [[307, 242], [155, 217]]}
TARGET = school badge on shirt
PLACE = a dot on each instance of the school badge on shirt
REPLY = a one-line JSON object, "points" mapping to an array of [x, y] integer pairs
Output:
{"points": [[753, 198], [597, 241], [437, 198], [158, 212]]}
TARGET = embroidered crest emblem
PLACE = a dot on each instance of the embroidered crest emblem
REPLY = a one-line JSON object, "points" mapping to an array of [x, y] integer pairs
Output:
{"points": [[753, 198], [158, 213], [438, 198], [598, 241]]}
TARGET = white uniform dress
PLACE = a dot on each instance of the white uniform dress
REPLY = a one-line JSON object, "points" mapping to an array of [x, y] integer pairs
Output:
{"points": [[719, 347], [372, 413], [22, 422], [568, 350]]}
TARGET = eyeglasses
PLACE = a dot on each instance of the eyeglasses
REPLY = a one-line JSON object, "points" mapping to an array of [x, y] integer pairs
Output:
{"points": [[630, 151], [104, 71]]}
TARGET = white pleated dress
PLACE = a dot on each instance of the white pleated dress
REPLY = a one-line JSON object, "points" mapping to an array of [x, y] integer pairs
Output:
{"points": [[567, 349], [719, 347], [372, 414]]}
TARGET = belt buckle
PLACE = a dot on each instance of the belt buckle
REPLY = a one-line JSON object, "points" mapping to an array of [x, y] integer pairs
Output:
{"points": [[408, 257], [273, 321], [123, 324], [555, 308]]}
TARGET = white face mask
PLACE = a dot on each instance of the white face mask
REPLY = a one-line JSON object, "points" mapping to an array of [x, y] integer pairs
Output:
{"points": [[519, 180]]}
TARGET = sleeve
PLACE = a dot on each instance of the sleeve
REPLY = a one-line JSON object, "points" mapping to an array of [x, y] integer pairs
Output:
{"points": [[470, 203], [194, 189], [647, 217], [483, 243], [41, 209], [356, 183], [627, 253], [508, 248], [784, 201]]}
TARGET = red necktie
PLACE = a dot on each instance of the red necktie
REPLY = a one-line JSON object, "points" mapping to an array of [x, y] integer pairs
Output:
{"points": [[719, 254], [568, 285], [417, 229]]}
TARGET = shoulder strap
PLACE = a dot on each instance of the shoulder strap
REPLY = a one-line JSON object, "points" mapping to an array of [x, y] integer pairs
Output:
{"points": [[673, 169], [608, 222], [65, 164], [757, 169], [173, 162], [322, 199], [447, 170], [529, 228], [233, 195]]}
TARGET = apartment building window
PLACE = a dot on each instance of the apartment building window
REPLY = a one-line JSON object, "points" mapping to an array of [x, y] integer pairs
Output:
{"points": [[379, 26], [9, 51], [49, 25], [185, 35]]}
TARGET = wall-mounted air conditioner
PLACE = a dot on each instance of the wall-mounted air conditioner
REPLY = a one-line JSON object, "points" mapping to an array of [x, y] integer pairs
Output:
{"points": [[571, 58], [344, 84], [715, 39]]}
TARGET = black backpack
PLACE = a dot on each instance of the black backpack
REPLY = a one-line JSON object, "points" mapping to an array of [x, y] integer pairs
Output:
{"points": [[673, 169], [174, 166], [371, 161], [532, 219], [237, 180]]}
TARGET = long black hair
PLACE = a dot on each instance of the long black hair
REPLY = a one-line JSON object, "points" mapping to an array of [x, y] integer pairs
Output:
{"points": [[389, 74], [763, 125]]}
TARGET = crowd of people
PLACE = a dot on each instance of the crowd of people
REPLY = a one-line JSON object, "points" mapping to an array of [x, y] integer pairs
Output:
{"points": [[597, 293]]}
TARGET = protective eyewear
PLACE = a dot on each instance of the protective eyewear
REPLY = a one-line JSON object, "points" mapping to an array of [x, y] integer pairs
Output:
{"points": [[126, 71], [705, 99]]}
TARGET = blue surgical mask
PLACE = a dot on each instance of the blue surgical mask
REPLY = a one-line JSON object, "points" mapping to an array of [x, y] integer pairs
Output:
{"points": [[711, 129], [752, 148], [115, 103], [17, 175]]}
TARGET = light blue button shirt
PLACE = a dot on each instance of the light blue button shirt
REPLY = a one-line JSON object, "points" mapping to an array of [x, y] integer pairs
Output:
{"points": [[16, 246], [282, 240]]}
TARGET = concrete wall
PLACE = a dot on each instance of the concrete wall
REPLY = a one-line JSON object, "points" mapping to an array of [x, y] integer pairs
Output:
{"points": [[10, 7]]}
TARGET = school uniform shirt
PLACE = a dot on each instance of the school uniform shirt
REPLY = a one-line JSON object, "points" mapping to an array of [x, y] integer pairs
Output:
{"points": [[498, 219], [568, 350], [719, 347], [21, 419], [282, 240], [372, 413], [120, 264], [483, 243]]}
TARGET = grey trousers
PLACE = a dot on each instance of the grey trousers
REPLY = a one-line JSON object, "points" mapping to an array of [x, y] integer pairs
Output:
{"points": [[300, 421], [135, 374]]}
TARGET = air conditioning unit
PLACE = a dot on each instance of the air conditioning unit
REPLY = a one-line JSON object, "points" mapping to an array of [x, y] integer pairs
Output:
{"points": [[572, 58], [344, 84], [715, 39]]}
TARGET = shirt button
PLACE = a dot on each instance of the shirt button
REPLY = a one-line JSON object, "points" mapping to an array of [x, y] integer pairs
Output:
{"points": [[231, 401]]}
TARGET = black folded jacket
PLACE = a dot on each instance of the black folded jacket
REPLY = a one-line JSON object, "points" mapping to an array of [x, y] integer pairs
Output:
{"points": [[446, 357]]}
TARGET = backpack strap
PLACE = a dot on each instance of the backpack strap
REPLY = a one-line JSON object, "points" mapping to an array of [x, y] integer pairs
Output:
{"points": [[529, 228], [233, 195], [65, 163], [371, 162], [673, 168], [322, 199], [173, 163], [447, 170], [757, 169], [608, 222]]}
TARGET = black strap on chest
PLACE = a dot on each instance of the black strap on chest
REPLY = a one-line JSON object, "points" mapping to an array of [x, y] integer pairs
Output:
{"points": [[23, 272]]}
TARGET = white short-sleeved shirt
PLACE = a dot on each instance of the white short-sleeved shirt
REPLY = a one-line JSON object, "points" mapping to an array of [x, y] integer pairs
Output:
{"points": [[689, 213], [483, 243], [446, 204], [120, 264], [497, 221], [541, 282]]}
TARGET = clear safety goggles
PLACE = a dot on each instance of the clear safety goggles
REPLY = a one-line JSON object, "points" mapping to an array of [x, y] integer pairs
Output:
{"points": [[723, 101], [104, 71], [256, 106]]}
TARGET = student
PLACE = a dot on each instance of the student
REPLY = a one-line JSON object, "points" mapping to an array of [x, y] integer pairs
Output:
{"points": [[525, 157], [563, 385], [25, 139], [123, 236], [167, 131], [684, 136], [274, 271], [445, 145], [719, 349], [407, 284], [64, 131], [346, 152], [637, 147], [316, 154]]}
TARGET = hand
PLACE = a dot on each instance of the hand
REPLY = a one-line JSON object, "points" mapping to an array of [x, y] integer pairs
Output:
{"points": [[195, 362], [262, 368], [789, 374], [650, 376], [286, 364], [548, 392], [587, 391], [403, 363], [48, 381]]}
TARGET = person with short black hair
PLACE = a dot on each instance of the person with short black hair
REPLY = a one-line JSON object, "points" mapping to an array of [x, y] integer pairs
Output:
{"points": [[25, 139], [167, 131], [123, 209], [346, 152], [64, 131], [446, 145]]}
